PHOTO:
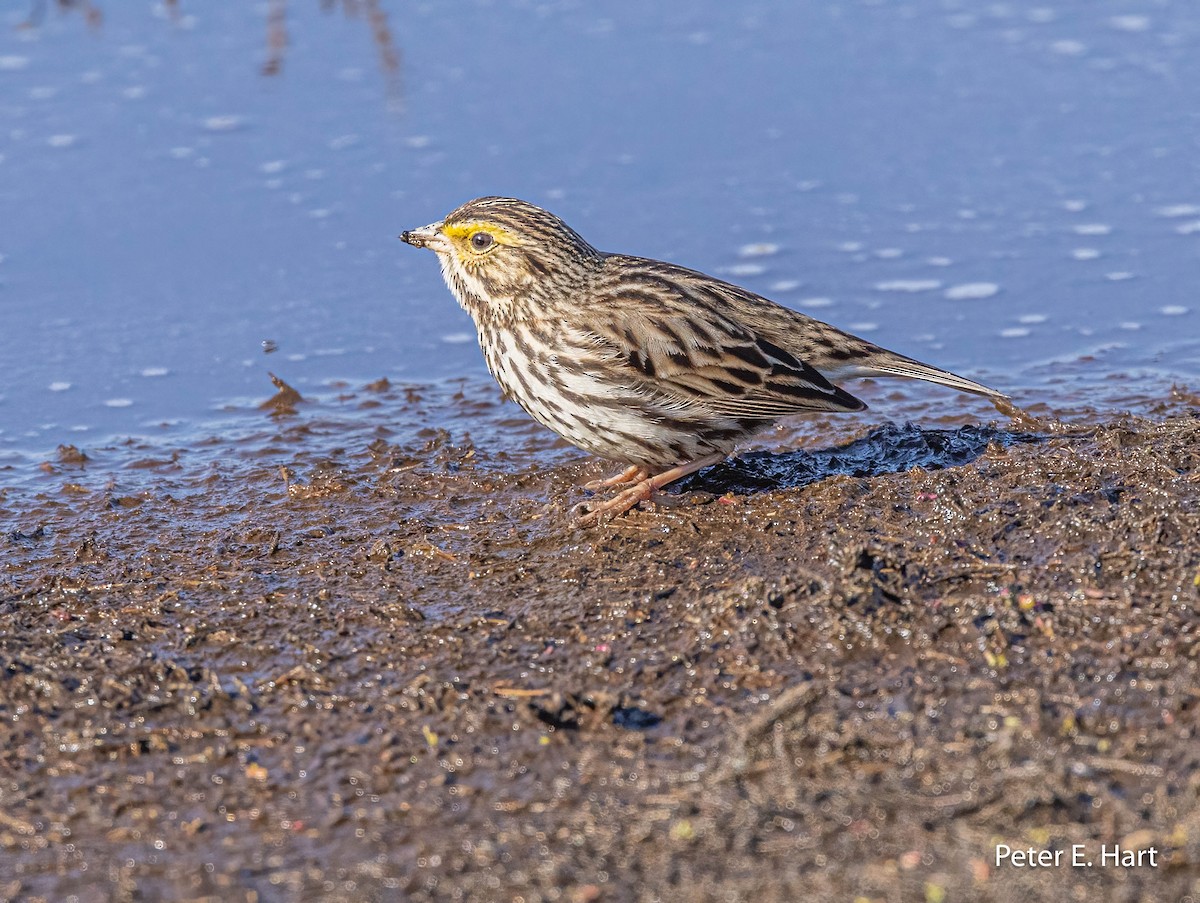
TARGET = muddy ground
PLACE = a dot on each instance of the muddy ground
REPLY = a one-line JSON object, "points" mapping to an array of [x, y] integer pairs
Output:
{"points": [[369, 664]]}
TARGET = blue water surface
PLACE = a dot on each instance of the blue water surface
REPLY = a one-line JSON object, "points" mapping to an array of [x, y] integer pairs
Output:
{"points": [[1009, 190]]}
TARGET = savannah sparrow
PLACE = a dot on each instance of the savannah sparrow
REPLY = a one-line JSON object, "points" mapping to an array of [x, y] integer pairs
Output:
{"points": [[647, 363]]}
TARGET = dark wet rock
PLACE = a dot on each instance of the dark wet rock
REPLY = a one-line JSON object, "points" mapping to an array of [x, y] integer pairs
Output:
{"points": [[69, 454], [634, 718], [284, 400], [887, 449]]}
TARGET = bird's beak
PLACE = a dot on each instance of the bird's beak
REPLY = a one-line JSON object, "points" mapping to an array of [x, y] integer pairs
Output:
{"points": [[426, 237]]}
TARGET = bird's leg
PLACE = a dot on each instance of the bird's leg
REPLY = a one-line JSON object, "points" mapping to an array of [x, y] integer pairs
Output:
{"points": [[645, 488], [631, 474]]}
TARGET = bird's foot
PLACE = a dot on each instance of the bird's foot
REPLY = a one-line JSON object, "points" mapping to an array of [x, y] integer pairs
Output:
{"points": [[618, 504], [640, 491], [631, 474]]}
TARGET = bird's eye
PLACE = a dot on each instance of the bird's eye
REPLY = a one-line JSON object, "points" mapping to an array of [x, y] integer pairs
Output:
{"points": [[481, 241]]}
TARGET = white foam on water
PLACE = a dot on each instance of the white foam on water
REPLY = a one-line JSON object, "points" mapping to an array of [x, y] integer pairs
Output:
{"points": [[908, 285], [745, 269], [971, 291], [1068, 47], [1172, 211], [758, 249], [1130, 23], [229, 122]]}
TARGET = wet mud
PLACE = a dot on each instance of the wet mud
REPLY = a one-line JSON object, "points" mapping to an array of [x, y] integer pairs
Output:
{"points": [[326, 658]]}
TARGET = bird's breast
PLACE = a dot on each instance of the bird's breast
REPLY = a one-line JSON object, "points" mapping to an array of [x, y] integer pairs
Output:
{"points": [[575, 392]]}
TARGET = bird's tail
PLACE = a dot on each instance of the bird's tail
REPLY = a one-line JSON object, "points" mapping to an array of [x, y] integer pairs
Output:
{"points": [[892, 364]]}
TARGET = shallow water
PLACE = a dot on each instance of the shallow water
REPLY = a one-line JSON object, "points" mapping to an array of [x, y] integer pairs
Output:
{"points": [[1005, 191]]}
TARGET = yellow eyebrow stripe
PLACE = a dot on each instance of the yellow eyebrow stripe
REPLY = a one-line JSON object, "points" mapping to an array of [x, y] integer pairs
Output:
{"points": [[463, 231]]}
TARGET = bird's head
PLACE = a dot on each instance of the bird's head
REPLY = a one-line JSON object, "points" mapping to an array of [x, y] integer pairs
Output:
{"points": [[497, 251]]}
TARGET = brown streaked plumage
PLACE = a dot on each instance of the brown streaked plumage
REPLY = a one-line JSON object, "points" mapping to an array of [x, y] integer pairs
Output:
{"points": [[650, 364]]}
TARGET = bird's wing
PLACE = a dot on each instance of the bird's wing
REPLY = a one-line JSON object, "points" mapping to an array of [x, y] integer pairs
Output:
{"points": [[676, 334]]}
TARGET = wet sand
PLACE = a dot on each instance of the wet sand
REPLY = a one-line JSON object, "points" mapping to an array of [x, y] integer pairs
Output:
{"points": [[335, 663]]}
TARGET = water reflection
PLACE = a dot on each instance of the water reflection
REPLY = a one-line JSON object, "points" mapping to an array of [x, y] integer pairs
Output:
{"points": [[89, 10], [277, 40], [388, 52]]}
